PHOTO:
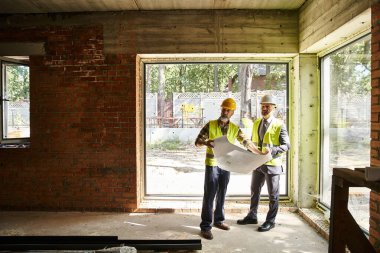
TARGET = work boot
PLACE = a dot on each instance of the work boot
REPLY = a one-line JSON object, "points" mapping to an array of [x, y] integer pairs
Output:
{"points": [[207, 234], [268, 225], [222, 226], [246, 221]]}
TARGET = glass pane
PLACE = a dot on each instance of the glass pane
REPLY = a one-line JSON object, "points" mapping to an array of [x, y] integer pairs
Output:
{"points": [[16, 101], [180, 99], [346, 76]]}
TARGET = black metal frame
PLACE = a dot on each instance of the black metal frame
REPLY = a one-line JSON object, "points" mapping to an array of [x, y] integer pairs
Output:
{"points": [[22, 243]]}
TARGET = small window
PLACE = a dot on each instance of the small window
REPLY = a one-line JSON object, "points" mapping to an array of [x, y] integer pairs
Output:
{"points": [[15, 123]]}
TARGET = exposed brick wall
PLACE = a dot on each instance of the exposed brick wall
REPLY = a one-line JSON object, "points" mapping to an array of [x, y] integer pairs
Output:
{"points": [[375, 123], [83, 143], [86, 153]]}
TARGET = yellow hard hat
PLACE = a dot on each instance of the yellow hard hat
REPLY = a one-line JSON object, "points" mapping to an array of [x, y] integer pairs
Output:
{"points": [[229, 103]]}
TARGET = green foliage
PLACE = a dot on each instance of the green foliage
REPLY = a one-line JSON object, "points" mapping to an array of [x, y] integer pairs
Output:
{"points": [[276, 78], [227, 71], [192, 77], [199, 77], [351, 69], [17, 82]]}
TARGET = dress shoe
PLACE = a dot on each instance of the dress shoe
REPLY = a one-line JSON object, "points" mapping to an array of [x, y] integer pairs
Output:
{"points": [[207, 234], [268, 225], [223, 226], [246, 221]]}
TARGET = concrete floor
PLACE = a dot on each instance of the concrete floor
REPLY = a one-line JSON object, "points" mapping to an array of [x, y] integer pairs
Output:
{"points": [[291, 234]]}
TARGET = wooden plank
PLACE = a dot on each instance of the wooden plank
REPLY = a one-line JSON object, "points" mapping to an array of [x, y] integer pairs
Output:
{"points": [[356, 178], [267, 30], [22, 49], [341, 219], [18, 6], [157, 18], [258, 40], [258, 48], [174, 4], [317, 22], [339, 202], [357, 242], [261, 18], [218, 31], [213, 32], [43, 6], [23, 6], [262, 4], [331, 22]]}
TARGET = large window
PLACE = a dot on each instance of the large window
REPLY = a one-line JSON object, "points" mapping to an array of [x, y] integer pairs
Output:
{"points": [[181, 98], [346, 117], [15, 126]]}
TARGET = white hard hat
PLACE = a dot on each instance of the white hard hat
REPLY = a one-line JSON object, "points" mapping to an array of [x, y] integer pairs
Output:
{"points": [[268, 99]]}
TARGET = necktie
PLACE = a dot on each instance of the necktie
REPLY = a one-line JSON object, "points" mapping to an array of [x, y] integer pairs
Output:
{"points": [[264, 128]]}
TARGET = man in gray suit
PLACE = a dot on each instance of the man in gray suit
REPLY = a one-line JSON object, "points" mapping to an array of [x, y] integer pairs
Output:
{"points": [[269, 135]]}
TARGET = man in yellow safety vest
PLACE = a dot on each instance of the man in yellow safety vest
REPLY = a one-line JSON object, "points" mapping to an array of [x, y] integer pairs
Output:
{"points": [[216, 179], [268, 134]]}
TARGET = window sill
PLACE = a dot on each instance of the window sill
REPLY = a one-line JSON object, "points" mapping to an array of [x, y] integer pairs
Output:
{"points": [[15, 145]]}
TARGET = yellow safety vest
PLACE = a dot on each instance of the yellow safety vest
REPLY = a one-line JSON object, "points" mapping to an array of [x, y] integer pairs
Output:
{"points": [[214, 132], [271, 138]]}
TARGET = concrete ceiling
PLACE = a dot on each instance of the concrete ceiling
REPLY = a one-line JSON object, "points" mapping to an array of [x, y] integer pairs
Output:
{"points": [[54, 6]]}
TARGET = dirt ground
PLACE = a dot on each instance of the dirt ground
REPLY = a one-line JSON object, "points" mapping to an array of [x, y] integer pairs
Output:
{"points": [[181, 173]]}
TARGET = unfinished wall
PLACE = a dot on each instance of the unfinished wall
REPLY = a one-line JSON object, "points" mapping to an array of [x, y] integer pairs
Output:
{"points": [[85, 144], [375, 123], [321, 20], [82, 153], [306, 104]]}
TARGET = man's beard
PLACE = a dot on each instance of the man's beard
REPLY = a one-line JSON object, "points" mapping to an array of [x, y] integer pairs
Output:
{"points": [[224, 119], [265, 113]]}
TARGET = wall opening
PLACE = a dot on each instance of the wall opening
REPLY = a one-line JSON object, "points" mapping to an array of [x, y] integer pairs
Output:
{"points": [[181, 96]]}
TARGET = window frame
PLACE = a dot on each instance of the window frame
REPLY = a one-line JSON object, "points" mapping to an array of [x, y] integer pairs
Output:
{"points": [[324, 125], [9, 142], [286, 60]]}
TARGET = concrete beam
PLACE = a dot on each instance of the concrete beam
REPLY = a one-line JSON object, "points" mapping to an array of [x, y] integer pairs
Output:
{"points": [[306, 130], [22, 49]]}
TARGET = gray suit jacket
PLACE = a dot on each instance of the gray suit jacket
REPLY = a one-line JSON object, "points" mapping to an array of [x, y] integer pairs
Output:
{"points": [[276, 151]]}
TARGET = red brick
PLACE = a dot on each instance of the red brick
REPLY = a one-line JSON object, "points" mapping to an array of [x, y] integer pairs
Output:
{"points": [[375, 74], [375, 126], [375, 162], [374, 152], [375, 135], [67, 86], [375, 100], [375, 117], [375, 233]]}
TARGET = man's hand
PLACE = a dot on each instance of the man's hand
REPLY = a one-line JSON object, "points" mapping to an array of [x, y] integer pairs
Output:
{"points": [[251, 147], [209, 143], [268, 150]]}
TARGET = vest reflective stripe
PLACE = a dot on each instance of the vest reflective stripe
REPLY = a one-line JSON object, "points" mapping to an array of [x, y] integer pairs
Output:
{"points": [[214, 132], [271, 138]]}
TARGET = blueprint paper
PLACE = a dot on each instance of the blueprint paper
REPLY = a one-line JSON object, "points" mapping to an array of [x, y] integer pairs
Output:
{"points": [[235, 159]]}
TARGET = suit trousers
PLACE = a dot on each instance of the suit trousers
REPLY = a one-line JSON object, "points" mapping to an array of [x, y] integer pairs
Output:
{"points": [[259, 177], [215, 187]]}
